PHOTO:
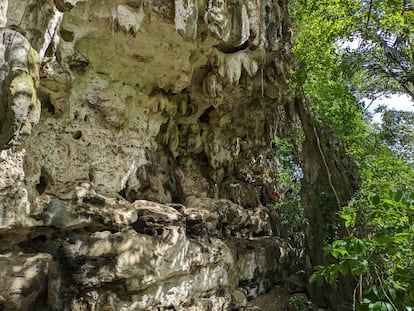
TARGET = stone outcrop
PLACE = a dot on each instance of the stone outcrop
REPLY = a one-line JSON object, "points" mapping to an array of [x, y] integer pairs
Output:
{"points": [[19, 76], [27, 281], [14, 204], [207, 254], [131, 174]]}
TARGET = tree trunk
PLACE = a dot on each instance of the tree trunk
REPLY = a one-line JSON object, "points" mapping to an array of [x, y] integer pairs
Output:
{"points": [[330, 179]]}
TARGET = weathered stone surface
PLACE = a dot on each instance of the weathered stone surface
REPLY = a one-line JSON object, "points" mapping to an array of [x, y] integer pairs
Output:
{"points": [[162, 256], [296, 283], [186, 18], [19, 74], [166, 97], [37, 21], [3, 12], [163, 268], [14, 204], [29, 282], [143, 177], [228, 22], [223, 218], [66, 5]]}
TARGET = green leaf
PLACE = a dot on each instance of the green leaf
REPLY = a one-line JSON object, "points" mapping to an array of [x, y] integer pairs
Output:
{"points": [[349, 220], [375, 199], [343, 267], [333, 276], [393, 293], [368, 289], [357, 267], [378, 306], [337, 243], [390, 202], [375, 290], [316, 277], [398, 195]]}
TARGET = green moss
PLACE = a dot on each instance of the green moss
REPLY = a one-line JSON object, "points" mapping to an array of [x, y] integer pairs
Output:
{"points": [[33, 65]]}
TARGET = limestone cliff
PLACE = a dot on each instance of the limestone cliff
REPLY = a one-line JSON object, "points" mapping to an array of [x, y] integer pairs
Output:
{"points": [[131, 175]]}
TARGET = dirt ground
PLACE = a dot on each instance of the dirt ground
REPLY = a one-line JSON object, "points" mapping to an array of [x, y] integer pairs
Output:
{"points": [[274, 300]]}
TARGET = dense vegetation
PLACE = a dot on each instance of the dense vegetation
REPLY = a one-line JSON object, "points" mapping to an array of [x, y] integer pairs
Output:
{"points": [[348, 54]]}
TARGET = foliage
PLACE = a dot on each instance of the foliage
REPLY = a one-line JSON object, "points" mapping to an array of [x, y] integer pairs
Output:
{"points": [[336, 77], [288, 206], [382, 257], [348, 51], [397, 131], [380, 219], [299, 302], [320, 73], [289, 175], [380, 31]]}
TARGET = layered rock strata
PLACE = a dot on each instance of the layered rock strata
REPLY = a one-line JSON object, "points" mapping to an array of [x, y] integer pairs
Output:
{"points": [[131, 175]]}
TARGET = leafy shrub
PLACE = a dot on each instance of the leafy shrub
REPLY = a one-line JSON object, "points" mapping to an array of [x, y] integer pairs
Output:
{"points": [[381, 258]]}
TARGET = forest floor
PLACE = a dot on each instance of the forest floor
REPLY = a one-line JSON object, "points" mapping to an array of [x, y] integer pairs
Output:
{"points": [[279, 299], [275, 300]]}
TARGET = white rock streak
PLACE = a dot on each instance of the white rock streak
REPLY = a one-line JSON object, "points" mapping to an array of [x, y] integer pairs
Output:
{"points": [[3, 12], [51, 36]]}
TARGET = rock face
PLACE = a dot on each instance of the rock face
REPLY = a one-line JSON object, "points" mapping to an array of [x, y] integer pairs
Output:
{"points": [[19, 75], [130, 173]]}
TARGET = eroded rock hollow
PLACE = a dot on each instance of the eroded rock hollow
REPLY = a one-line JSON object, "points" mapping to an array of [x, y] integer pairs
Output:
{"points": [[131, 175]]}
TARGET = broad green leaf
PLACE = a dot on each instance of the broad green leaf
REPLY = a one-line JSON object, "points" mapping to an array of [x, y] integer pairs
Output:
{"points": [[343, 267], [378, 306], [316, 277], [393, 293], [398, 195]]}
